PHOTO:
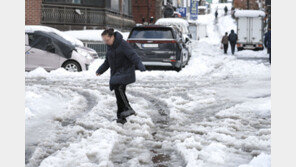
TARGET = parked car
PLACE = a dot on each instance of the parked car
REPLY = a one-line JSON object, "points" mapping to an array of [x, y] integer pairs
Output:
{"points": [[74, 41], [159, 46], [182, 25], [250, 29], [51, 51]]}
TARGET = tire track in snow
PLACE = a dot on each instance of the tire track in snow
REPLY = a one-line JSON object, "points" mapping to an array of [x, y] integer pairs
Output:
{"points": [[160, 155], [46, 149]]}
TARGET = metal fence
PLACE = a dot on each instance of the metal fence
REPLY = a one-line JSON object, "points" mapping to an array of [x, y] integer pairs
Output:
{"points": [[99, 47], [76, 15]]}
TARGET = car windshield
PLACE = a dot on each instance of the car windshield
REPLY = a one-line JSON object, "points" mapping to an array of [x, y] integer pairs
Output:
{"points": [[152, 33]]}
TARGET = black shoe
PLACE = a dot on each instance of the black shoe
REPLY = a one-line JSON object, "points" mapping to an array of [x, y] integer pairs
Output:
{"points": [[127, 113], [121, 120]]}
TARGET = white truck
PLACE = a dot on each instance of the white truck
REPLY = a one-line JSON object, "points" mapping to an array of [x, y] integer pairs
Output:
{"points": [[250, 29]]}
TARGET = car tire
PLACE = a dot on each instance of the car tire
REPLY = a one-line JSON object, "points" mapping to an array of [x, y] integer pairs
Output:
{"points": [[179, 68], [72, 66], [240, 49]]}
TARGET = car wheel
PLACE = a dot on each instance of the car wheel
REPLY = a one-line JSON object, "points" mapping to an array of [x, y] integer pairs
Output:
{"points": [[72, 66], [178, 69]]}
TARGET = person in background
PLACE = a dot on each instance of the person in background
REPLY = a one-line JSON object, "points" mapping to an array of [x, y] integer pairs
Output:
{"points": [[225, 10], [216, 14], [123, 61], [232, 38], [225, 42], [267, 43]]}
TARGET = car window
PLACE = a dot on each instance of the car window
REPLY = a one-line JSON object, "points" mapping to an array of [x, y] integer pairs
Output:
{"points": [[39, 42], [152, 33], [31, 39]]}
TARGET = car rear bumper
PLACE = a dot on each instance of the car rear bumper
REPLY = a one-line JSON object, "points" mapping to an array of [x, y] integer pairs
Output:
{"points": [[154, 63], [257, 46]]}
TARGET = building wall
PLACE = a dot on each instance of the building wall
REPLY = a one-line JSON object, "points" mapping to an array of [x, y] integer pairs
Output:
{"points": [[33, 12], [144, 8], [242, 4]]}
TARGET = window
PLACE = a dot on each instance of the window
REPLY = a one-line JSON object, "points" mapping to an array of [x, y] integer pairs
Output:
{"points": [[39, 42], [152, 33], [63, 1], [31, 39], [115, 5], [127, 7], [92, 3]]}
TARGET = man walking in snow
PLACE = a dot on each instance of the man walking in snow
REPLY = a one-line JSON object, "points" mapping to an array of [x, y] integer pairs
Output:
{"points": [[123, 61], [267, 43], [225, 42], [216, 14], [225, 10], [232, 38]]}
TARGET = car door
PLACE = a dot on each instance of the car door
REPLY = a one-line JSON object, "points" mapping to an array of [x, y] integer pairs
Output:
{"points": [[38, 55]]}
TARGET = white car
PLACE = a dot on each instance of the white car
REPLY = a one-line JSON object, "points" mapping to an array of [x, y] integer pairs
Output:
{"points": [[46, 47], [50, 51]]}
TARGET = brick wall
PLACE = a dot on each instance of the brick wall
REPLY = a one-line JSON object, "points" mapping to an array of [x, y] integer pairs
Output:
{"points": [[144, 8], [33, 12], [242, 4]]}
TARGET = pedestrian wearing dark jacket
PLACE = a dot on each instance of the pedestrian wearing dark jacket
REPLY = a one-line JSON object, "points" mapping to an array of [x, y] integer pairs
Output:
{"points": [[225, 10], [232, 38], [122, 61], [224, 41], [267, 43], [216, 14]]}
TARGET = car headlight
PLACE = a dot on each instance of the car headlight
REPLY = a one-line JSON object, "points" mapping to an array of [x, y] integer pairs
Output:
{"points": [[84, 53]]}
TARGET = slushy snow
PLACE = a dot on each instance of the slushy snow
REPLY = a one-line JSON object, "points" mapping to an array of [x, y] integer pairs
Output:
{"points": [[213, 113]]}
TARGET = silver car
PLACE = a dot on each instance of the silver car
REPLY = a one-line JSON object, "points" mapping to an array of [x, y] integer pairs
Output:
{"points": [[51, 51]]}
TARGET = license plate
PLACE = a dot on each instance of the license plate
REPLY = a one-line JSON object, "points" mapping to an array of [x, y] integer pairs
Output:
{"points": [[148, 45]]}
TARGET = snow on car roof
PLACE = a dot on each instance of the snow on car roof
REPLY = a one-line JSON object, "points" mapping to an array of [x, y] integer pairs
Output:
{"points": [[91, 35], [33, 28], [181, 23], [249, 13]]}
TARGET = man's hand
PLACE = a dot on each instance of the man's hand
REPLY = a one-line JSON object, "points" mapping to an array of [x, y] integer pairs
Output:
{"points": [[98, 74]]}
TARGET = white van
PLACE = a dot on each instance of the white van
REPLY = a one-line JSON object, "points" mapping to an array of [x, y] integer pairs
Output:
{"points": [[250, 29]]}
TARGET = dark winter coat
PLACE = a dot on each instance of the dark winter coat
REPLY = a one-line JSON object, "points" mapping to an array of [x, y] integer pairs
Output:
{"points": [[224, 40], [123, 61], [267, 39], [232, 38], [225, 9]]}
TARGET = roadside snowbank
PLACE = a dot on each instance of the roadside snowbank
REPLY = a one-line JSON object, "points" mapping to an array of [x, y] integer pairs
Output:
{"points": [[91, 35]]}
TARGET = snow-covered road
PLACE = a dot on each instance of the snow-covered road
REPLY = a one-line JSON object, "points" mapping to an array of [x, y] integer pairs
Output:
{"points": [[215, 112]]}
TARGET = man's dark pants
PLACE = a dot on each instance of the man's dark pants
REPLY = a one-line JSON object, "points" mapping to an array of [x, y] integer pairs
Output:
{"points": [[225, 48], [232, 47], [269, 52], [121, 99]]}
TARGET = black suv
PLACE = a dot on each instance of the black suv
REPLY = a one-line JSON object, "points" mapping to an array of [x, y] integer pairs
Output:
{"points": [[159, 46]]}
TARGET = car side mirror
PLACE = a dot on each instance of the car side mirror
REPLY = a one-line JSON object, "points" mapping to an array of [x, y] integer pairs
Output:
{"points": [[50, 48]]}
